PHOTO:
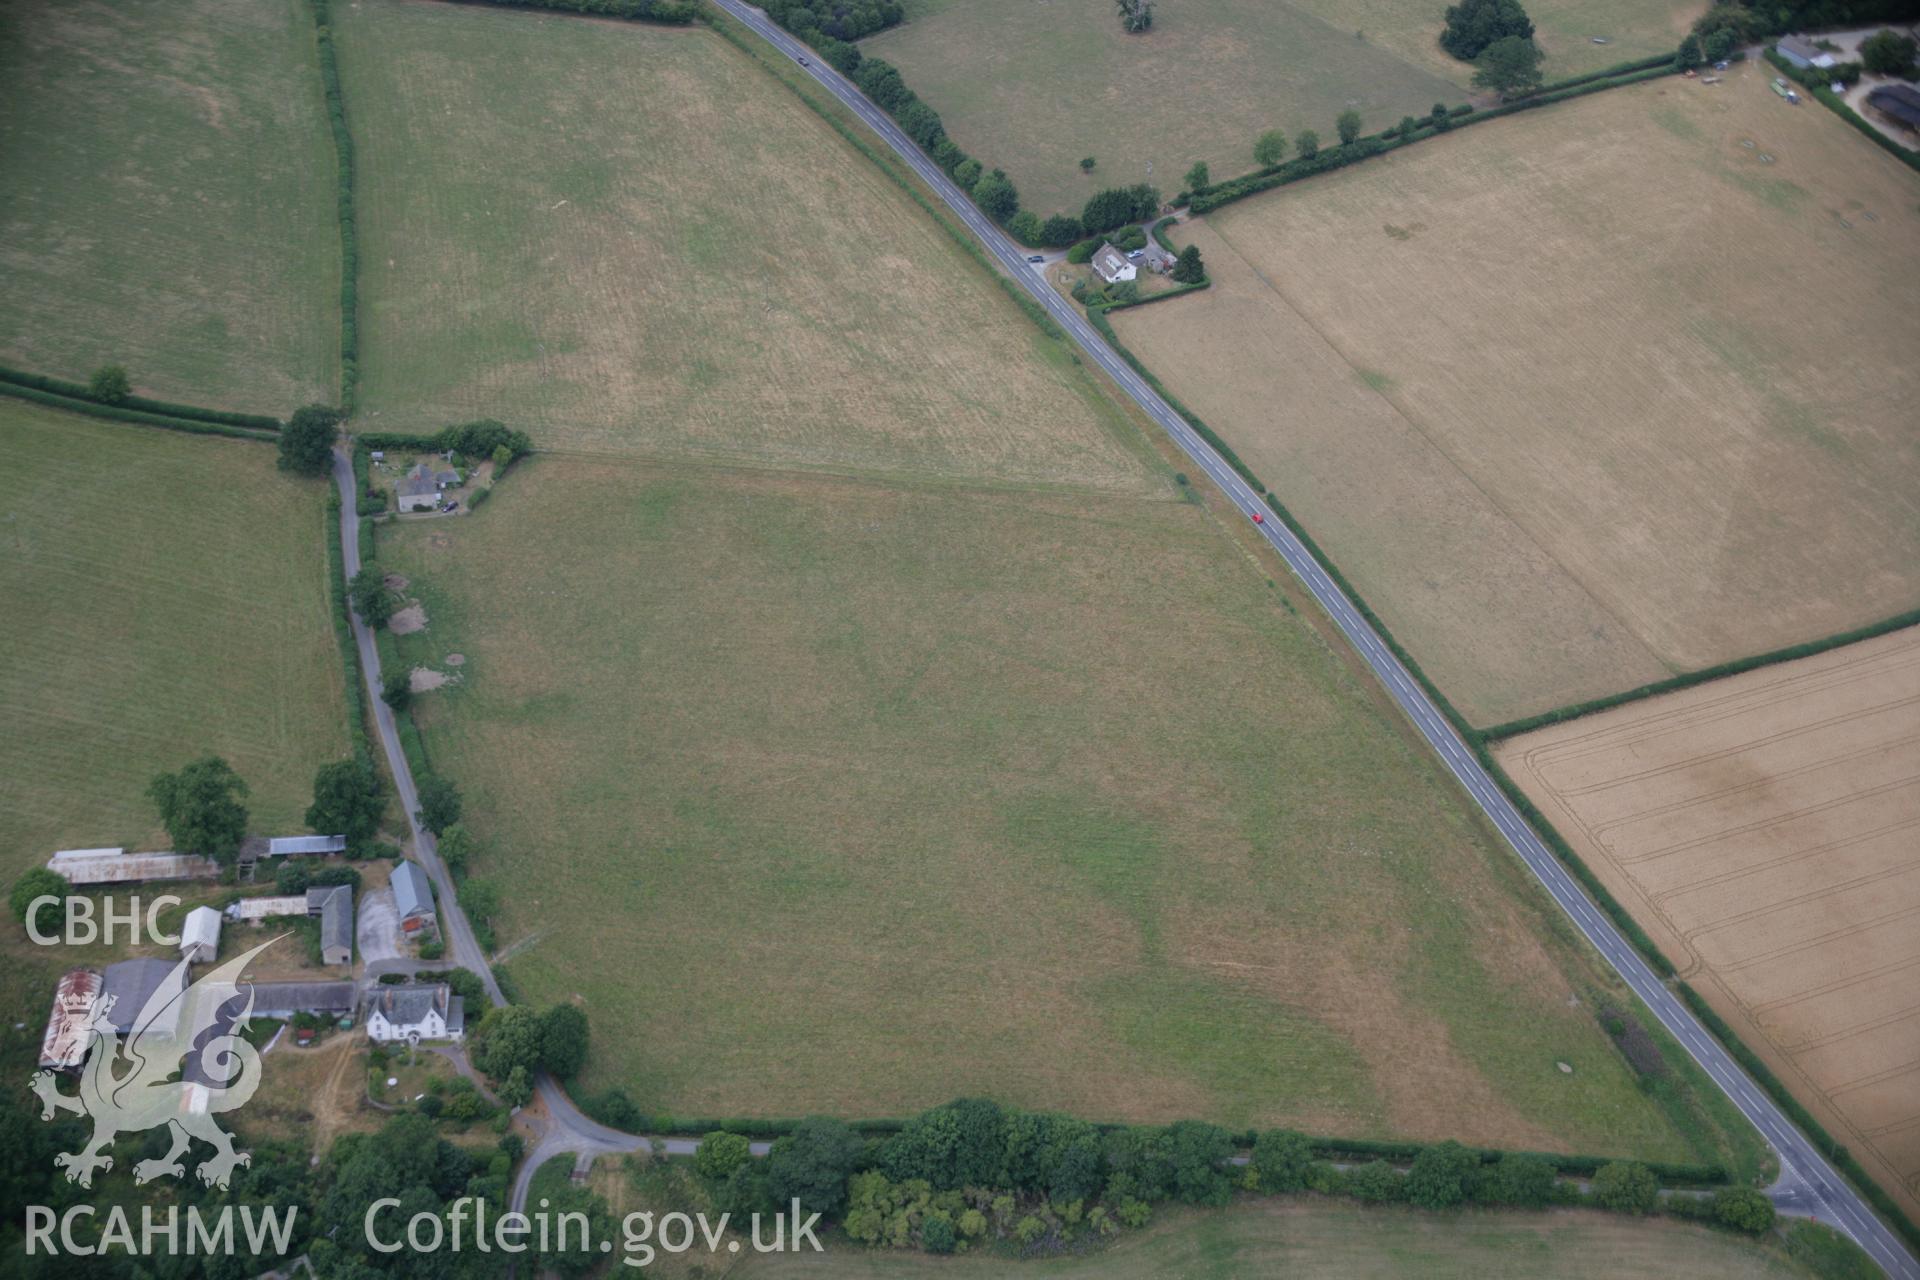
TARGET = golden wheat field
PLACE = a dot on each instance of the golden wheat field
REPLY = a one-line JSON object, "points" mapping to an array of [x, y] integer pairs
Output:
{"points": [[1586, 395], [1766, 830]]}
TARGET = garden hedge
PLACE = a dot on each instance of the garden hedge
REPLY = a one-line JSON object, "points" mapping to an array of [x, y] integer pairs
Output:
{"points": [[161, 408]]}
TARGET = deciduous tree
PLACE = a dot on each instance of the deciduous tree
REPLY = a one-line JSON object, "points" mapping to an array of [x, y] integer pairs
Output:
{"points": [[348, 801], [1510, 67], [440, 804], [109, 385], [1347, 126], [368, 594], [200, 806], [306, 442], [563, 1040], [812, 1163], [1188, 269], [39, 882], [1270, 148]]}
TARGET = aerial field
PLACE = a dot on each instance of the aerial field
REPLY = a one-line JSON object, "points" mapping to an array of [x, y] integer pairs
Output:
{"points": [[166, 598], [162, 596], [1033, 88], [919, 791], [1333, 1241], [1532, 388], [632, 240], [169, 203], [1763, 828]]}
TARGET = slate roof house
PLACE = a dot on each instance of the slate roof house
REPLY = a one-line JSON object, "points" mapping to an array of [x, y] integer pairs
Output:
{"points": [[417, 1012], [334, 905], [1113, 266], [418, 490]]}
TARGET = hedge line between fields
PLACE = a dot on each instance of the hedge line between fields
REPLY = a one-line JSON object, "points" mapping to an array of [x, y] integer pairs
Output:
{"points": [[343, 202], [1782, 1096], [1805, 649], [1364, 148], [1670, 1173], [95, 409], [161, 408], [723, 25], [666, 12], [1835, 103], [343, 634]]}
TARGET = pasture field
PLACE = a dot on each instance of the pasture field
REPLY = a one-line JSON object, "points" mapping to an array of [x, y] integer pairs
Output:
{"points": [[920, 792], [631, 240], [169, 203], [1763, 828], [166, 597], [1333, 1241], [1033, 88], [1529, 387]]}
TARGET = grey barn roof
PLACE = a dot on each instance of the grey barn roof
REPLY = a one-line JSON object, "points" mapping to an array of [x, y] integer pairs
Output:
{"points": [[132, 983], [335, 903], [306, 844], [1901, 101], [1800, 47], [411, 892], [300, 997]]}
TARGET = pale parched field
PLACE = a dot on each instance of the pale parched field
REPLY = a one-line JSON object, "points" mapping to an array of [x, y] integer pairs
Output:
{"points": [[164, 596], [1766, 829], [920, 792], [1575, 378], [630, 240], [1032, 88], [169, 200]]}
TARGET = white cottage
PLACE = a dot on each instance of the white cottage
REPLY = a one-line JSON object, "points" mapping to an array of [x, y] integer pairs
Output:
{"points": [[416, 1012]]}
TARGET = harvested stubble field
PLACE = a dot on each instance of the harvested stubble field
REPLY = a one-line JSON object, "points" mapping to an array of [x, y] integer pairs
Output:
{"points": [[1333, 1241], [632, 240], [922, 791], [169, 202], [1766, 830], [1033, 88], [1531, 388]]}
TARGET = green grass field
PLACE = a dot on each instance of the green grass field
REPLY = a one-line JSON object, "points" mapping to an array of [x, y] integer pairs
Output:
{"points": [[162, 596], [166, 597], [169, 203], [920, 792], [1034, 88], [631, 240], [1337, 1241]]}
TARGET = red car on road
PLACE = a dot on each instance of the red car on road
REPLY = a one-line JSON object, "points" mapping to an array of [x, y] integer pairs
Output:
{"points": [[1258, 518]]}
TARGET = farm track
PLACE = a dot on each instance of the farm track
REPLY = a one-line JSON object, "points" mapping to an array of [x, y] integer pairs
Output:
{"points": [[1808, 1184]]}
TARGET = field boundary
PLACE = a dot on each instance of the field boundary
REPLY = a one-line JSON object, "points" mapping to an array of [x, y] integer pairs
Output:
{"points": [[336, 103], [1719, 671], [160, 408], [343, 633], [1378, 144], [1835, 103], [118, 413]]}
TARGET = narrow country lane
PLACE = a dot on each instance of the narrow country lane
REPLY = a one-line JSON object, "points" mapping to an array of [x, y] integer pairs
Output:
{"points": [[1808, 1184]]}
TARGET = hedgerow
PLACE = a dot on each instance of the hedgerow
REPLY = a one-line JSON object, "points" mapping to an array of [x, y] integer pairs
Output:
{"points": [[343, 205], [343, 634], [162, 408], [93, 408], [671, 12]]}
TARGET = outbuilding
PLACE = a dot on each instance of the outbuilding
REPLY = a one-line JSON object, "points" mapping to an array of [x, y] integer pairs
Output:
{"points": [[1803, 53], [64, 1045], [418, 490], [334, 905], [200, 936], [1899, 103], [412, 897]]}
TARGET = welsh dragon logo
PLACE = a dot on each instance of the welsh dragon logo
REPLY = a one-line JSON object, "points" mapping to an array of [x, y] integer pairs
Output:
{"points": [[138, 1082]]}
